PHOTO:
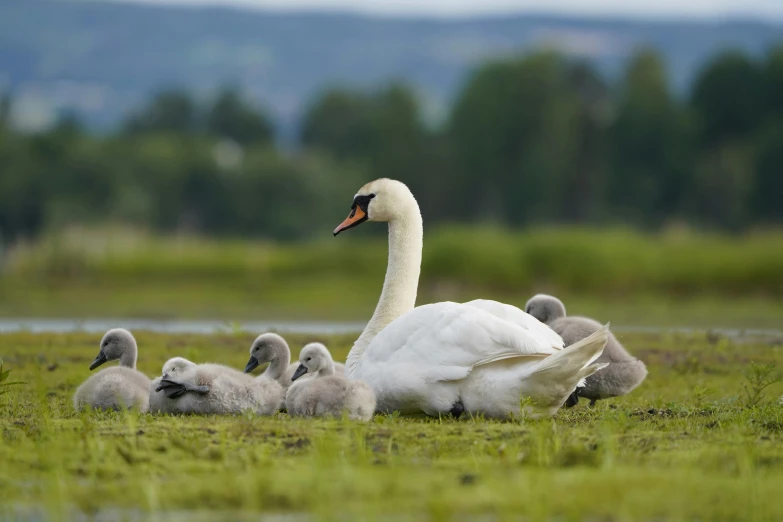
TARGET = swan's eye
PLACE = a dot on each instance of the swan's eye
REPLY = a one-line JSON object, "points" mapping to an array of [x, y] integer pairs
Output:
{"points": [[362, 202], [309, 358]]}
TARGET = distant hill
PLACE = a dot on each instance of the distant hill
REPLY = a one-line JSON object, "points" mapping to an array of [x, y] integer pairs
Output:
{"points": [[104, 58]]}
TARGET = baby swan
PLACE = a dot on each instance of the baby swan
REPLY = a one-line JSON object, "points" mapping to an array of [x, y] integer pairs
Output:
{"points": [[326, 394], [273, 349], [620, 377], [159, 403], [118, 387], [218, 389]]}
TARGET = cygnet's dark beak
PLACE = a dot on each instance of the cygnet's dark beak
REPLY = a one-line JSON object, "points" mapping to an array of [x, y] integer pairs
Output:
{"points": [[98, 360], [299, 372], [252, 364]]}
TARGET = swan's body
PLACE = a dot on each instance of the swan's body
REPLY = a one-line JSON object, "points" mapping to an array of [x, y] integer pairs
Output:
{"points": [[482, 356], [624, 372], [218, 389], [325, 393], [119, 387]]}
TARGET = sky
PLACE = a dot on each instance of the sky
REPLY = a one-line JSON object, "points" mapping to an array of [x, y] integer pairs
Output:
{"points": [[764, 9]]}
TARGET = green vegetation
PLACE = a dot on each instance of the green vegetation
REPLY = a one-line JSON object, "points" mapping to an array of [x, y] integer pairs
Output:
{"points": [[4, 382], [533, 139], [689, 444], [628, 278]]}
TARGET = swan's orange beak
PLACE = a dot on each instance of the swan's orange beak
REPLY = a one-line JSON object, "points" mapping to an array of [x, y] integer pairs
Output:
{"points": [[356, 217]]}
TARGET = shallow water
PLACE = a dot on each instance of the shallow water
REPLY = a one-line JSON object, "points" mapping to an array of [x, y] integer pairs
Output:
{"points": [[206, 326], [41, 325]]}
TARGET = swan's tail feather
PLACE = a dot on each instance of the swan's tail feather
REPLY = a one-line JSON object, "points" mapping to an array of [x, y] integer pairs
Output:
{"points": [[578, 355], [557, 376]]}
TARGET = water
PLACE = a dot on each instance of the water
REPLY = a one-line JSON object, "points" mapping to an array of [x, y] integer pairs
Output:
{"points": [[204, 327], [207, 326]]}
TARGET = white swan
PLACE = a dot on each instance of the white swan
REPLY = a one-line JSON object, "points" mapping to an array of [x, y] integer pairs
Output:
{"points": [[118, 387], [483, 357]]}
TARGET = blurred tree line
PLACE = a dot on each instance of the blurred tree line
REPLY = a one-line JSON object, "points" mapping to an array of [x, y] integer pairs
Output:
{"points": [[528, 140]]}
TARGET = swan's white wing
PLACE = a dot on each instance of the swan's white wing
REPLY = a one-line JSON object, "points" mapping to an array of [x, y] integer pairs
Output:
{"points": [[445, 341], [520, 318]]}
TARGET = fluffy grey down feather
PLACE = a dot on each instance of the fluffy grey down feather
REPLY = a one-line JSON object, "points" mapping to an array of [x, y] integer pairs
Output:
{"points": [[327, 394], [624, 372], [118, 387], [230, 392]]}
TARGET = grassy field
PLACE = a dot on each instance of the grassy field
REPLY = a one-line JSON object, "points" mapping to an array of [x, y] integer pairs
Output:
{"points": [[694, 442], [632, 279]]}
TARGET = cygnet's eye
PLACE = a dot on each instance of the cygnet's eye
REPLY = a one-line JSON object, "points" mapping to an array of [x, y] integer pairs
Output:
{"points": [[309, 358]]}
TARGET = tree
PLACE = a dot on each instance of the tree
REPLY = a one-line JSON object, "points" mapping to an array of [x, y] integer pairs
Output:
{"points": [[650, 166], [5, 109], [772, 80], [230, 116], [768, 182], [339, 122], [585, 179], [727, 99], [21, 192], [398, 143], [169, 111], [302, 195], [381, 130], [515, 131], [727, 104]]}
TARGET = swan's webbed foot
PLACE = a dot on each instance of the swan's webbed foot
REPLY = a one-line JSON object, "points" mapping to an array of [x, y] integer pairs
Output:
{"points": [[592, 402], [174, 389], [457, 409], [572, 399]]}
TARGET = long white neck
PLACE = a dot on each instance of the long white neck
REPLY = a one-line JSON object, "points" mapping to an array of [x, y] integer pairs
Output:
{"points": [[401, 283]]}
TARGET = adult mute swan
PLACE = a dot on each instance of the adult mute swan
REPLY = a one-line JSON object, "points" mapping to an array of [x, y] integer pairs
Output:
{"points": [[483, 357]]}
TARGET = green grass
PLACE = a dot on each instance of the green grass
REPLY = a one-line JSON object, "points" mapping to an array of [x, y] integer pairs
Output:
{"points": [[687, 445], [681, 279]]}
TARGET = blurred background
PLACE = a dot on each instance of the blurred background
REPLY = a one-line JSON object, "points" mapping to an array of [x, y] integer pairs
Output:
{"points": [[190, 159]]}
